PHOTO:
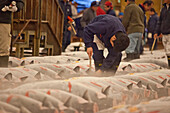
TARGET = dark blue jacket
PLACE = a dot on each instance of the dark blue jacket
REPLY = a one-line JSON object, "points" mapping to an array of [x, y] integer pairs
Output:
{"points": [[104, 26], [152, 23], [163, 25], [66, 7], [111, 12], [141, 6]]}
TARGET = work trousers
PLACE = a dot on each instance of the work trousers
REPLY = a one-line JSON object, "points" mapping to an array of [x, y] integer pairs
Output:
{"points": [[5, 39]]}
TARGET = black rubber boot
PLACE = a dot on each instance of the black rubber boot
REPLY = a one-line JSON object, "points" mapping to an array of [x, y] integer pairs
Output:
{"points": [[168, 61], [4, 61], [114, 68], [98, 64], [136, 56], [129, 57]]}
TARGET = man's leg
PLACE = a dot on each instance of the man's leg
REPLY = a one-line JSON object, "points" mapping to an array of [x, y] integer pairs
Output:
{"points": [[166, 43], [66, 40], [138, 36], [111, 62], [131, 48], [97, 56], [5, 40]]}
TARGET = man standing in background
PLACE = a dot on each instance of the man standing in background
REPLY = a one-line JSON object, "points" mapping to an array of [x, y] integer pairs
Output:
{"points": [[6, 9], [163, 26], [109, 8], [151, 28], [66, 7], [89, 14], [145, 6], [133, 21]]}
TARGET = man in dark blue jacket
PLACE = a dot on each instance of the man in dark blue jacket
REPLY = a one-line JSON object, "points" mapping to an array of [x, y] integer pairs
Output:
{"points": [[66, 7], [163, 27], [145, 6], [111, 33], [151, 27]]}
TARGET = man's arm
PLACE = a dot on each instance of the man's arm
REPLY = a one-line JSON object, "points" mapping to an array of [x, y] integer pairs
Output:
{"points": [[98, 27], [126, 17]]}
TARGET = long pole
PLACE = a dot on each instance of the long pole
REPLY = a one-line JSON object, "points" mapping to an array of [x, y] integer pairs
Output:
{"points": [[12, 27], [38, 32], [153, 45]]}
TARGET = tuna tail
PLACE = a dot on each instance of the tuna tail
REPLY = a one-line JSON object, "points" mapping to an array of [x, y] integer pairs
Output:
{"points": [[47, 103], [77, 69], [24, 110], [86, 96], [23, 78], [68, 102], [139, 84], [61, 73], [149, 87], [22, 63], [106, 90], [164, 82], [38, 76], [32, 62], [8, 76], [130, 86]]}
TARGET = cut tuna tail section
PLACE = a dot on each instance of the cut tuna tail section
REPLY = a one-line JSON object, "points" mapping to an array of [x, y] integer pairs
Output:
{"points": [[86, 96], [23, 78], [38, 76], [106, 90], [164, 82], [139, 84], [47, 103], [68, 102], [23, 63], [8, 76], [77, 69], [149, 87], [130, 86], [24, 110]]}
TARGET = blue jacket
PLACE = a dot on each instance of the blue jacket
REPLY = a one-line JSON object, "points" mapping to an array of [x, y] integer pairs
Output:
{"points": [[163, 25], [111, 12], [152, 23], [144, 14], [104, 26], [66, 7]]}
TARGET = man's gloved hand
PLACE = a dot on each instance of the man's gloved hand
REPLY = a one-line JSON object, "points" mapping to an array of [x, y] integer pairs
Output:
{"points": [[12, 7]]}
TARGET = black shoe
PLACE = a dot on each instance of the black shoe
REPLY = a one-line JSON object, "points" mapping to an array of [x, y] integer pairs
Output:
{"points": [[129, 57], [168, 61], [4, 61], [98, 64], [136, 56]]}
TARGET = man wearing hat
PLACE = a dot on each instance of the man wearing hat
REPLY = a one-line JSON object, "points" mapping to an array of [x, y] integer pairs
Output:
{"points": [[109, 8], [106, 31], [89, 14]]}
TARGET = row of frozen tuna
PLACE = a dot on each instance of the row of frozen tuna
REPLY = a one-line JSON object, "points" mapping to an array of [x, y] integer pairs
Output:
{"points": [[88, 94], [50, 71], [161, 105]]}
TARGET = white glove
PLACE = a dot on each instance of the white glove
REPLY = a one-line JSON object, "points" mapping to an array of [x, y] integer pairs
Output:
{"points": [[12, 7]]}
